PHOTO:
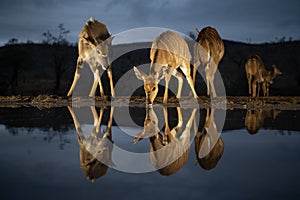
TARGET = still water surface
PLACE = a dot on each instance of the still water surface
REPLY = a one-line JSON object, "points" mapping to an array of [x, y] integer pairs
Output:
{"points": [[40, 158]]}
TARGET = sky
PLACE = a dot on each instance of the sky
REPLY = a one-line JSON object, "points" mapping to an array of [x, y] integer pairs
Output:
{"points": [[252, 21]]}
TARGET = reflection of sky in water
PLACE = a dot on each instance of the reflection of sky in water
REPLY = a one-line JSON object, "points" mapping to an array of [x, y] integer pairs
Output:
{"points": [[265, 165]]}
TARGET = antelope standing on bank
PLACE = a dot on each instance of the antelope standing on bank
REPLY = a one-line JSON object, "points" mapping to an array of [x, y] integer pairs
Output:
{"points": [[94, 49], [254, 68], [169, 51], [257, 75], [208, 51], [95, 151], [169, 151]]}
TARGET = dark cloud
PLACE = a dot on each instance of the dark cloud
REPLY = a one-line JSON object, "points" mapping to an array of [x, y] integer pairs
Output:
{"points": [[236, 20]]}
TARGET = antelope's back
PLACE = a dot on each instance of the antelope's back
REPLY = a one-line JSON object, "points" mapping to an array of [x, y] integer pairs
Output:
{"points": [[254, 64], [172, 43], [211, 41], [170, 158], [93, 31]]}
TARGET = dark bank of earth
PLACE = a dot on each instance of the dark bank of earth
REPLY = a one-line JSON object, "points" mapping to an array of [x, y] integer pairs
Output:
{"points": [[33, 69], [228, 103]]}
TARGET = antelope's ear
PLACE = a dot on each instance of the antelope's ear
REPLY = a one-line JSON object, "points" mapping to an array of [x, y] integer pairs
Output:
{"points": [[161, 73], [109, 40], [197, 31], [139, 74]]}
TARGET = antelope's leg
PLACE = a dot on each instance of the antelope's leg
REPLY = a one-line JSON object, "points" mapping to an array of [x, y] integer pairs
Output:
{"points": [[207, 80], [254, 88], [195, 73], [213, 90], [79, 132], [179, 113], [96, 80], [100, 86], [111, 116], [179, 77], [109, 72], [109, 124], [212, 85], [196, 63], [249, 77], [258, 89], [168, 134], [264, 88], [76, 122], [167, 79], [95, 115], [212, 72], [99, 119], [76, 77], [207, 115], [185, 68]]}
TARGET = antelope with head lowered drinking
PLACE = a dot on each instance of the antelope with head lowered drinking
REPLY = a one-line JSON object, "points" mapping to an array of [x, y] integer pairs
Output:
{"points": [[94, 49], [254, 68], [257, 75], [268, 77], [208, 51], [169, 51]]}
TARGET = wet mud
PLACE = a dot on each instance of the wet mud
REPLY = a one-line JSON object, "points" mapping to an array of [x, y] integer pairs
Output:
{"points": [[228, 103]]}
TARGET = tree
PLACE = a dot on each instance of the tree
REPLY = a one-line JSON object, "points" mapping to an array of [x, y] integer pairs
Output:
{"points": [[12, 41], [50, 39], [60, 39], [58, 43]]}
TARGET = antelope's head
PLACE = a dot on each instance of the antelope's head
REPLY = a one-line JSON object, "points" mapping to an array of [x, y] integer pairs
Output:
{"points": [[103, 52], [276, 70], [150, 82]]}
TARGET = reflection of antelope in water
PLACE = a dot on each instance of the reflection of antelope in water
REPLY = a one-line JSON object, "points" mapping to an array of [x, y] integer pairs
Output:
{"points": [[257, 75], [208, 51], [254, 119], [95, 151], [169, 151], [94, 49], [209, 146], [169, 51]]}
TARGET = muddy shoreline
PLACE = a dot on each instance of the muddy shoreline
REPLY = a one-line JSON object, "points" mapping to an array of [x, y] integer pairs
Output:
{"points": [[228, 103]]}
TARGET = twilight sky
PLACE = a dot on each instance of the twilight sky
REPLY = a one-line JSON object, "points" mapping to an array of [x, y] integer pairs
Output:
{"points": [[252, 21]]}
